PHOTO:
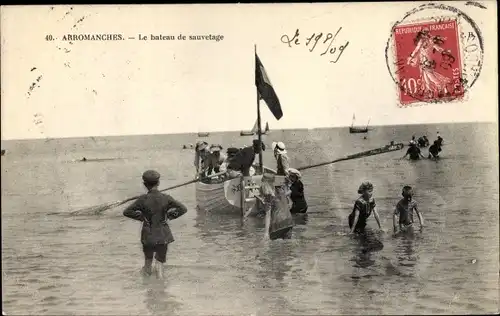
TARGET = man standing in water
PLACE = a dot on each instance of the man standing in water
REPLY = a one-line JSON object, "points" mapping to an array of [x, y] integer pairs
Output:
{"points": [[414, 152], [434, 150], [154, 209]]}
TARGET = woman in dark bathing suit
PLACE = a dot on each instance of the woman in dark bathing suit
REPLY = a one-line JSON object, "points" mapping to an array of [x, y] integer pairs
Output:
{"points": [[363, 208]]}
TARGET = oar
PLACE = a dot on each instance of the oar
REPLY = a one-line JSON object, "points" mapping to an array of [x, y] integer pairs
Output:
{"points": [[106, 206], [367, 153]]}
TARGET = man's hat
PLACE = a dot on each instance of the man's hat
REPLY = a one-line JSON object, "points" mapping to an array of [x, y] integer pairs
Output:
{"points": [[201, 145], [279, 146], [150, 176], [215, 148], [232, 150], [294, 171]]}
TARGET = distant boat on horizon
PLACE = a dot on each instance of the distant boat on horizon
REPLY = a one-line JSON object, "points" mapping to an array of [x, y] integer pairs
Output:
{"points": [[255, 130], [203, 134], [357, 129]]}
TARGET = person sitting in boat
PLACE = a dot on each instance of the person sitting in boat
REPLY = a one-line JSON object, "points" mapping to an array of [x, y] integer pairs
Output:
{"points": [[281, 156], [241, 163], [200, 158], [299, 204], [414, 152], [215, 159]]}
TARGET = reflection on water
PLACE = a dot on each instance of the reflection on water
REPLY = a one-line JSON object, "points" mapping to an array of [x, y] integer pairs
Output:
{"points": [[157, 298], [367, 243]]}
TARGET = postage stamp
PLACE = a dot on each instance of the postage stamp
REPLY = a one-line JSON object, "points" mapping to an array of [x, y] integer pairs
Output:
{"points": [[428, 57], [434, 55]]}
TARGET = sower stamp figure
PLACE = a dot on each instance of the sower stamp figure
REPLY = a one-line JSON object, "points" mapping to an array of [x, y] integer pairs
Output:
{"points": [[154, 209]]}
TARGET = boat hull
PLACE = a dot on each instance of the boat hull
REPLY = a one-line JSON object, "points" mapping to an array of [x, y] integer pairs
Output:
{"points": [[211, 198], [225, 197], [354, 130]]}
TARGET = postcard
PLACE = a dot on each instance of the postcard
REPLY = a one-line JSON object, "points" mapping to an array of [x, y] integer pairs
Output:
{"points": [[250, 159]]}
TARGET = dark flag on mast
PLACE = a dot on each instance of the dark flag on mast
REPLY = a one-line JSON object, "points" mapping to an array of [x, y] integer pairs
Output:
{"points": [[266, 90]]}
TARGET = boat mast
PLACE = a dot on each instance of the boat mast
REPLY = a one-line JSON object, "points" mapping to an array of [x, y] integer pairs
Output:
{"points": [[259, 129], [353, 119], [368, 123]]}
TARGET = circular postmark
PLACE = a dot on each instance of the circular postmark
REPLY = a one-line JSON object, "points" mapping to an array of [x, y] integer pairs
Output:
{"points": [[434, 54]]}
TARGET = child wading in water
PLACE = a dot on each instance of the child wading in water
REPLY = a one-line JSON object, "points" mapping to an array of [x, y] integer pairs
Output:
{"points": [[404, 209], [363, 208], [154, 209]]}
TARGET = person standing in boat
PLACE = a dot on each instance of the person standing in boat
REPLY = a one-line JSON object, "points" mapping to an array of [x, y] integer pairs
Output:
{"points": [[363, 208], [215, 159], [154, 209], [299, 204], [282, 160], [200, 158], [241, 163], [230, 153]]}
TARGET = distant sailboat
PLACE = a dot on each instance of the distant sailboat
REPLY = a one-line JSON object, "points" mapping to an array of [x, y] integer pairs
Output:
{"points": [[266, 131], [253, 131], [356, 129]]}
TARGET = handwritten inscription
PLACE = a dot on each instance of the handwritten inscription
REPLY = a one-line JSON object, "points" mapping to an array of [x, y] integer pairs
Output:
{"points": [[318, 42]]}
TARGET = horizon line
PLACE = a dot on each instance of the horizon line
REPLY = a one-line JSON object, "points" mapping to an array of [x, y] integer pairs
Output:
{"points": [[234, 131]]}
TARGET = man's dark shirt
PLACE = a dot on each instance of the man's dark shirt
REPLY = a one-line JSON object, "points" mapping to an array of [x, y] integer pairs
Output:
{"points": [[434, 149], [155, 209], [414, 152], [242, 160]]}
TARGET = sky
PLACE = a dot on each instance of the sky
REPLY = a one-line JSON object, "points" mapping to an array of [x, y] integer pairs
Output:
{"points": [[103, 88]]}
